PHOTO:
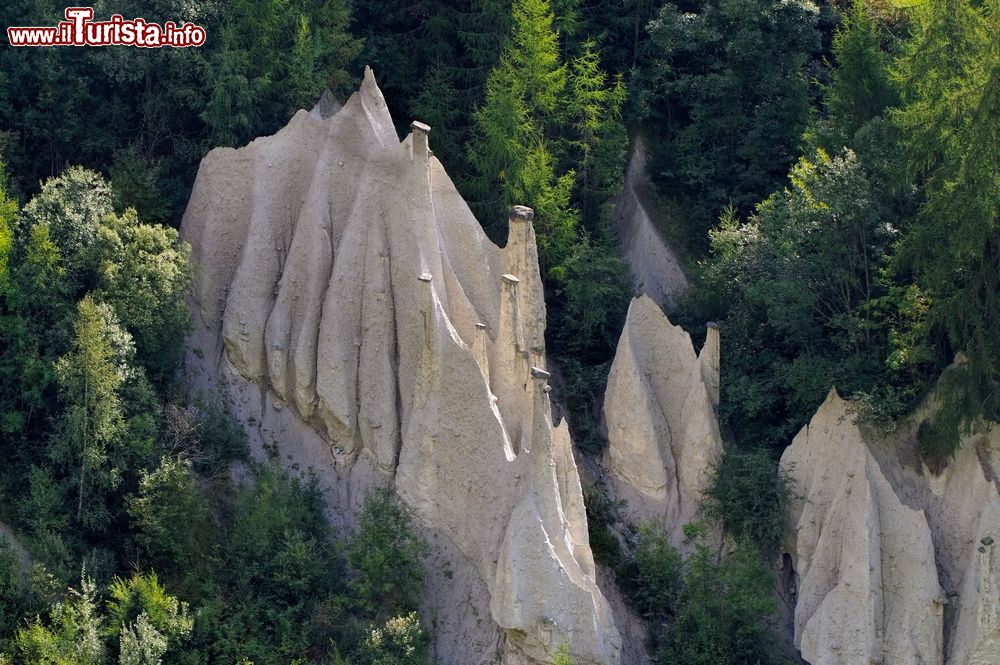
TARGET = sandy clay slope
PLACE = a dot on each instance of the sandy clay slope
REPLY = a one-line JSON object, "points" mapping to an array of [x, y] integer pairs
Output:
{"points": [[654, 266], [360, 320], [659, 406], [893, 563]]}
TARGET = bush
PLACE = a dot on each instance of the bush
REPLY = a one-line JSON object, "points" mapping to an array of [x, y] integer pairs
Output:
{"points": [[658, 567], [749, 495], [400, 641], [387, 555], [600, 516], [725, 613], [17, 597], [167, 513]]}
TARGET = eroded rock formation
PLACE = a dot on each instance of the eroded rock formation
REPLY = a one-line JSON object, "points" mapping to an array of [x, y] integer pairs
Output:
{"points": [[360, 319], [654, 265], [663, 434], [893, 564]]}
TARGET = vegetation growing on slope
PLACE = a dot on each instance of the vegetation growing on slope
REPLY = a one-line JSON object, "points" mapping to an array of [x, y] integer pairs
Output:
{"points": [[869, 266], [874, 266], [126, 495]]}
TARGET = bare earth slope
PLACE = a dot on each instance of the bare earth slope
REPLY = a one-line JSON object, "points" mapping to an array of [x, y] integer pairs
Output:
{"points": [[351, 306], [892, 563], [663, 434], [654, 265]]}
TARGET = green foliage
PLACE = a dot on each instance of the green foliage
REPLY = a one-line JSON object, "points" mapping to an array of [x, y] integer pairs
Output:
{"points": [[399, 641], [71, 242], [750, 497], [950, 122], [513, 162], [72, 208], [273, 58], [619, 28], [594, 296], [595, 140], [808, 300], [275, 593], [41, 510], [549, 135], [169, 514], [387, 554], [145, 277], [726, 127], [960, 398], [18, 597], [563, 656], [658, 573], [861, 88], [140, 623], [601, 516], [91, 377], [8, 217], [260, 63], [73, 635], [220, 438], [533, 52], [726, 612], [141, 597], [135, 181]]}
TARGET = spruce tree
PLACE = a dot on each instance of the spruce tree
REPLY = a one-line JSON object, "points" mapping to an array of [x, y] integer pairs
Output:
{"points": [[862, 88], [950, 123]]}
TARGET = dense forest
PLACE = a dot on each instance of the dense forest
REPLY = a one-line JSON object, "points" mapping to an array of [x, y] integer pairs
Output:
{"points": [[829, 173]]}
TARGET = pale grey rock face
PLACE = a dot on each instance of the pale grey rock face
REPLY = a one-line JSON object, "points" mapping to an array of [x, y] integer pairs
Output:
{"points": [[358, 317], [867, 585], [663, 434], [892, 563], [655, 268]]}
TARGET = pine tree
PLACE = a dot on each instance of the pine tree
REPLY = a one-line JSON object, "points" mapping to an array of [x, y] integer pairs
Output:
{"points": [[597, 139], [950, 122], [862, 88], [533, 51], [499, 148], [516, 131]]}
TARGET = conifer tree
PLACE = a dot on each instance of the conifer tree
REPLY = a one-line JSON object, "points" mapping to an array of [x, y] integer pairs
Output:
{"points": [[861, 88], [510, 151], [727, 92], [541, 120], [597, 140], [950, 123]]}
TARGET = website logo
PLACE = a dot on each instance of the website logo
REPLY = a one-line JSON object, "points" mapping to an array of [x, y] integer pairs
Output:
{"points": [[79, 29]]}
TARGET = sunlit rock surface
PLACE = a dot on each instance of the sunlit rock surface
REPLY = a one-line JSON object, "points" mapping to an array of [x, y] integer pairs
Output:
{"points": [[663, 434], [351, 306], [892, 563]]}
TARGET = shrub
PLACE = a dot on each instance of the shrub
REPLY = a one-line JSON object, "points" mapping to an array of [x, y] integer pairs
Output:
{"points": [[387, 555], [600, 516], [658, 567], [726, 612], [750, 495]]}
